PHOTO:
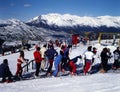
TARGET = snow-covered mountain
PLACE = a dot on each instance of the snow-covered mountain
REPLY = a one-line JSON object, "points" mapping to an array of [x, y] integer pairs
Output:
{"points": [[14, 29], [55, 24], [76, 24], [73, 20]]}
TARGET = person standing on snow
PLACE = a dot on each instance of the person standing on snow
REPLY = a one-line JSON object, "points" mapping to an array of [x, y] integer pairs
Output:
{"points": [[94, 52], [5, 71], [116, 63], [104, 60], [88, 56], [50, 53], [42, 51], [65, 58], [38, 59], [57, 61], [20, 61]]}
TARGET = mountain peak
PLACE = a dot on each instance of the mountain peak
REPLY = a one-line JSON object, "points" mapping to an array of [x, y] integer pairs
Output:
{"points": [[74, 20]]}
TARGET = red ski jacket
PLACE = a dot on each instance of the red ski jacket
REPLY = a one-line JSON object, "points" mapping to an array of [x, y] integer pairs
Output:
{"points": [[37, 56]]}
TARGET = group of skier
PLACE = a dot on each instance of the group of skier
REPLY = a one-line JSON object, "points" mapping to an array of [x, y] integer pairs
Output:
{"points": [[61, 61]]}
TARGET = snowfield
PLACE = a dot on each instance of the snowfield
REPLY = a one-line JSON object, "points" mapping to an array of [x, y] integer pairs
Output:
{"points": [[92, 83], [98, 82]]}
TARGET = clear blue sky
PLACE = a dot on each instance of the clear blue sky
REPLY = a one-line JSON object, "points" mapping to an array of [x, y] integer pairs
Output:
{"points": [[27, 9]]}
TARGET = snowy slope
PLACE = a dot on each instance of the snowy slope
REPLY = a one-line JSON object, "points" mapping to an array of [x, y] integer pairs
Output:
{"points": [[92, 83], [108, 82]]}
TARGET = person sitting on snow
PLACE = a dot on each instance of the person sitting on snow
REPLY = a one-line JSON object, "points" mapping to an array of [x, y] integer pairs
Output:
{"points": [[72, 64], [5, 71]]}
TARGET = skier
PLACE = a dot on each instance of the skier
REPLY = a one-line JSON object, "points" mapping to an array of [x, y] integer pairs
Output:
{"points": [[88, 56], [20, 60], [94, 52], [38, 59], [5, 72], [57, 62], [72, 64], [50, 53], [104, 60], [116, 63], [43, 63], [65, 58]]}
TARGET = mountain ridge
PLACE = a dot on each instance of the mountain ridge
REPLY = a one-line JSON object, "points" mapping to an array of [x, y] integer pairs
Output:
{"points": [[73, 20], [54, 24]]}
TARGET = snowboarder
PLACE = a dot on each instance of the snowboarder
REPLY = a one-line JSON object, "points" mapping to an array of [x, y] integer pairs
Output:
{"points": [[5, 72]]}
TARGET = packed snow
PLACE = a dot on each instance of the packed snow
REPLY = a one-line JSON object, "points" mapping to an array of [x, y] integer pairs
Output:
{"points": [[98, 82]]}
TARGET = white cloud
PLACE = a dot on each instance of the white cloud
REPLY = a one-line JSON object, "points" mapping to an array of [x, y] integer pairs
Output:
{"points": [[27, 5]]}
